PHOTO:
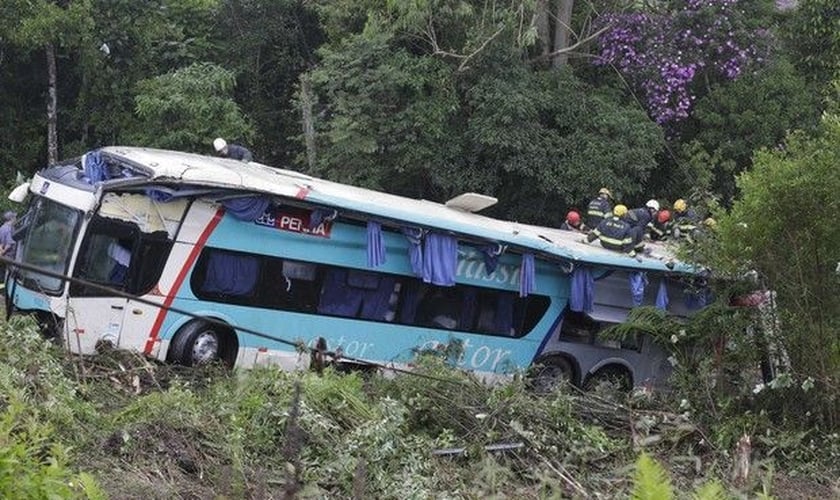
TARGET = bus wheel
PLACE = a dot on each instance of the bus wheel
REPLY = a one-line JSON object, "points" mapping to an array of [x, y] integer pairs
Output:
{"points": [[611, 377], [550, 373], [201, 342]]}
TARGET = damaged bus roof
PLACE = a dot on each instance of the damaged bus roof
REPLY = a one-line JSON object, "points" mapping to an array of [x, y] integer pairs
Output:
{"points": [[172, 169]]}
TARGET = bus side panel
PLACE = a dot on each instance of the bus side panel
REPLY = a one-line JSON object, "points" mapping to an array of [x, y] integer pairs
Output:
{"points": [[380, 341]]}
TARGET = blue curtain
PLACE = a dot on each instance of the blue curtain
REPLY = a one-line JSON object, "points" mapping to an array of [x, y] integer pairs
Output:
{"points": [[440, 259], [526, 275], [375, 245], [638, 280], [468, 308], [94, 167], [118, 274], [414, 236], [354, 293], [231, 274], [503, 321], [249, 208], [410, 300], [662, 296], [582, 290]]}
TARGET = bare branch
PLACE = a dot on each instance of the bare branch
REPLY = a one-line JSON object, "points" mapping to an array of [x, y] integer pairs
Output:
{"points": [[571, 48]]}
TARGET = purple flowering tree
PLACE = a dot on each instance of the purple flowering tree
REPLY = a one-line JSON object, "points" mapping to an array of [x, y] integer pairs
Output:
{"points": [[670, 57]]}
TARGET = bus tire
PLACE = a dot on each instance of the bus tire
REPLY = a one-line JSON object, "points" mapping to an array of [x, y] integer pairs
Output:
{"points": [[201, 342], [548, 374], [616, 376]]}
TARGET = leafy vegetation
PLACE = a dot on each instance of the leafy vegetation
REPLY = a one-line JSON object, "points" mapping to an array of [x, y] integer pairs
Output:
{"points": [[117, 425], [732, 104]]}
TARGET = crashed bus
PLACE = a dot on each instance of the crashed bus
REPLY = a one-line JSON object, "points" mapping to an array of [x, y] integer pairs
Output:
{"points": [[192, 259]]}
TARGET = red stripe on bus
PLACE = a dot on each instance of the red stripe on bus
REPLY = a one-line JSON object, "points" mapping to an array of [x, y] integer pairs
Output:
{"points": [[179, 280], [302, 192]]}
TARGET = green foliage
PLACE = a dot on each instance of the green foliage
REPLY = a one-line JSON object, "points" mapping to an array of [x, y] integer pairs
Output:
{"points": [[400, 113], [814, 35], [650, 481], [784, 227], [187, 108], [268, 44], [733, 120], [34, 466]]}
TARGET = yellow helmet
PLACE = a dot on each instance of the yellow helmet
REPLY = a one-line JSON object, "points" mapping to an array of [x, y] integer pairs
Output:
{"points": [[620, 210], [710, 222], [680, 205], [605, 191]]}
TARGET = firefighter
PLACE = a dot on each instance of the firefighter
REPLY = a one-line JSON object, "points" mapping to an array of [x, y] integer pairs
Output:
{"points": [[613, 232], [660, 228], [685, 220], [641, 220], [599, 208], [573, 223]]}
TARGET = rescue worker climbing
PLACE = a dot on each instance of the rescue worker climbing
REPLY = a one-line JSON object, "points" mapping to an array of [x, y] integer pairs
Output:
{"points": [[641, 220], [599, 208], [613, 232], [232, 151], [573, 223]]}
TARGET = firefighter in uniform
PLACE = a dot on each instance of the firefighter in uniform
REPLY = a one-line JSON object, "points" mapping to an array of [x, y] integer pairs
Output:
{"points": [[614, 232], [599, 208]]}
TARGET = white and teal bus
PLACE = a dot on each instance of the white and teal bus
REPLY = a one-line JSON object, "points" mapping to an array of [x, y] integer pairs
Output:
{"points": [[189, 258]]}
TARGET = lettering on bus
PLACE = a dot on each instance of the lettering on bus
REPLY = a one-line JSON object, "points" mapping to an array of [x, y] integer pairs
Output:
{"points": [[474, 356], [295, 220], [472, 266]]}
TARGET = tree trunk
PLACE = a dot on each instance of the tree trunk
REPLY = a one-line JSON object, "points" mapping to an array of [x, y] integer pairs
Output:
{"points": [[562, 30], [541, 22], [308, 122], [52, 108]]}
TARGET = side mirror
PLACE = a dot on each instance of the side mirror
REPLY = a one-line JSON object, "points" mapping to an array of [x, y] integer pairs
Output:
{"points": [[18, 194]]}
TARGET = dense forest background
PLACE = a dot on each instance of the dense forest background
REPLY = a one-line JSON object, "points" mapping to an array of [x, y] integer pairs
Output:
{"points": [[539, 102], [733, 105]]}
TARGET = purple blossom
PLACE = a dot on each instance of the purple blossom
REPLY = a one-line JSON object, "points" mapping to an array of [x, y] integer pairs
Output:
{"points": [[663, 55]]}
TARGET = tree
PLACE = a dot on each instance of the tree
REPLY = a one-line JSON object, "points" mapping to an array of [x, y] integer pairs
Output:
{"points": [[671, 56], [433, 102], [268, 44], [737, 118], [187, 108], [44, 25], [784, 226]]}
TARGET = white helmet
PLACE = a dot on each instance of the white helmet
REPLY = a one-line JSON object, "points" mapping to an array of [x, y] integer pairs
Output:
{"points": [[653, 204], [219, 143]]}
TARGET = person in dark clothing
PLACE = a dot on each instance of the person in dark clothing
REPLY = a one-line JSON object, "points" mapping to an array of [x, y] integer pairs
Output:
{"points": [[660, 228], [573, 223], [641, 221], [232, 151], [599, 208], [614, 232]]}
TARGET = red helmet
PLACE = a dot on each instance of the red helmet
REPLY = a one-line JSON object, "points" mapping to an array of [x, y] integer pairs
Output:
{"points": [[573, 217], [663, 216]]}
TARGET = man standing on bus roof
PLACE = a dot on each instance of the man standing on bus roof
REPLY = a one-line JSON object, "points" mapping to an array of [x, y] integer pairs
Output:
{"points": [[599, 208], [232, 151]]}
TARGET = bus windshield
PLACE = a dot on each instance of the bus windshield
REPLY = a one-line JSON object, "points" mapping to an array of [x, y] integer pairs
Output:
{"points": [[48, 231]]}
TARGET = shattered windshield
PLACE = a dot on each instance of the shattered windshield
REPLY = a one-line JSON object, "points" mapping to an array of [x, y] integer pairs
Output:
{"points": [[48, 237]]}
